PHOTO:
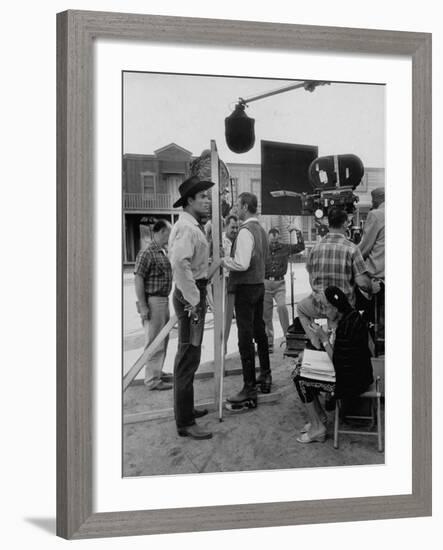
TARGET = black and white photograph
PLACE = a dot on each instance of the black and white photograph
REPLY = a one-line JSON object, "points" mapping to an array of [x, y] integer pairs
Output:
{"points": [[253, 273]]}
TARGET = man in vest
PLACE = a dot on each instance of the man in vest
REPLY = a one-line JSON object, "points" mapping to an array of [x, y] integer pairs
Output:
{"points": [[247, 273]]}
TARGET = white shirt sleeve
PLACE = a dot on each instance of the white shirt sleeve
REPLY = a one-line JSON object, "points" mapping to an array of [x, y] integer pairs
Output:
{"points": [[243, 252]]}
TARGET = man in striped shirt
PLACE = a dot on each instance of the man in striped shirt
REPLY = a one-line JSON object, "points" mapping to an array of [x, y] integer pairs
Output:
{"points": [[334, 261]]}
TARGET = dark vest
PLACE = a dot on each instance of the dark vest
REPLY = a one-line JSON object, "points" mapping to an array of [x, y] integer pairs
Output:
{"points": [[255, 274]]}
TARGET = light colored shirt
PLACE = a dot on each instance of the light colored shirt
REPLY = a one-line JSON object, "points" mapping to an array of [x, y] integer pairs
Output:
{"points": [[189, 255], [243, 250], [372, 244], [227, 245]]}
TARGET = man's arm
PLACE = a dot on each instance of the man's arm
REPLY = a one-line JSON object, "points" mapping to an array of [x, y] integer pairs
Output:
{"points": [[181, 255], [364, 282], [361, 277], [299, 246], [141, 270], [243, 252], [141, 298], [370, 232]]}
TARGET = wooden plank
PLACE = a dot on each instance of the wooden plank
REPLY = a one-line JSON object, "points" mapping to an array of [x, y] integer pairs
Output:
{"points": [[141, 361], [165, 414], [200, 375]]}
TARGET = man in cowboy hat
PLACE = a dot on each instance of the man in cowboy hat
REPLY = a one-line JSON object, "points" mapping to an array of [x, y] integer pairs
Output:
{"points": [[189, 254]]}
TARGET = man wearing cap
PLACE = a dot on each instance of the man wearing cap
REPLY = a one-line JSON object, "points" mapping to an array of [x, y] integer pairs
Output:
{"points": [[153, 283], [372, 244], [189, 254], [372, 247]]}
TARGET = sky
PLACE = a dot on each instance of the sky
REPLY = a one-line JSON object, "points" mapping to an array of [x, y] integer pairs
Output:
{"points": [[189, 110]]}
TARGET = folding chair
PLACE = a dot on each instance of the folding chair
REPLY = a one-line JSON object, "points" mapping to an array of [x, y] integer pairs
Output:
{"points": [[375, 393]]}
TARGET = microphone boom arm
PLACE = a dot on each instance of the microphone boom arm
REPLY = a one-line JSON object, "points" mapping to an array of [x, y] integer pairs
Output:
{"points": [[308, 85]]}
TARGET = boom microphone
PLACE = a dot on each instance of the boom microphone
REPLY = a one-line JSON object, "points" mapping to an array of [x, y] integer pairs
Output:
{"points": [[239, 130]]}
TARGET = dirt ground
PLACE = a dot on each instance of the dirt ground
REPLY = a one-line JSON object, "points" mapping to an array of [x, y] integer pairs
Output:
{"points": [[260, 439]]}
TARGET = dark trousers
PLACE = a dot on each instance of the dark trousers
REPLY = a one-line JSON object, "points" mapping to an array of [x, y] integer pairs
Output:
{"points": [[250, 326], [187, 359], [374, 315]]}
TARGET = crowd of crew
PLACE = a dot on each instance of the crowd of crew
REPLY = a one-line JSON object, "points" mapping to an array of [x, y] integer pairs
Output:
{"points": [[343, 277]]}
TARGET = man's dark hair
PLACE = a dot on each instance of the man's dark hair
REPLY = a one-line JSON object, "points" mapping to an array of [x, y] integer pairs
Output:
{"points": [[229, 218], [187, 199], [337, 217], [250, 200], [274, 231], [159, 225]]}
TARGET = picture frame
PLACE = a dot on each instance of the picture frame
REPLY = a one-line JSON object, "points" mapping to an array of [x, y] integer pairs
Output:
{"points": [[76, 32]]}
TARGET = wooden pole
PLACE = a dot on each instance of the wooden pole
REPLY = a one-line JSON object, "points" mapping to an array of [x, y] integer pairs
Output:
{"points": [[217, 284], [222, 351]]}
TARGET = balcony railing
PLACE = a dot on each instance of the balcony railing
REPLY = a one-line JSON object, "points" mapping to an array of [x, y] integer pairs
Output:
{"points": [[139, 201]]}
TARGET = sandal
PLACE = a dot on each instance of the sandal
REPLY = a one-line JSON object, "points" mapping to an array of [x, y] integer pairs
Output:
{"points": [[307, 426], [306, 438]]}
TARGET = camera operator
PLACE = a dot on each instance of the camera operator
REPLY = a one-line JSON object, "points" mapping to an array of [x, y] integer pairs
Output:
{"points": [[334, 261]]}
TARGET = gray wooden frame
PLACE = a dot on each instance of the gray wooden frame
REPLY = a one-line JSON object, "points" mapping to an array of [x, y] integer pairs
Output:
{"points": [[76, 31]]}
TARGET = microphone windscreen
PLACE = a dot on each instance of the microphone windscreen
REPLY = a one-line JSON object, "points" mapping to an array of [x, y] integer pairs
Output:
{"points": [[239, 131]]}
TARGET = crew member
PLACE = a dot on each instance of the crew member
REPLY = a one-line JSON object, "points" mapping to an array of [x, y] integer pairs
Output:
{"points": [[372, 244], [275, 286], [153, 283], [372, 247], [334, 261]]}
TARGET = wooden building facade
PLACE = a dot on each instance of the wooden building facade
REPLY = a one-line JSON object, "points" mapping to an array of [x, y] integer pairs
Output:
{"points": [[150, 188]]}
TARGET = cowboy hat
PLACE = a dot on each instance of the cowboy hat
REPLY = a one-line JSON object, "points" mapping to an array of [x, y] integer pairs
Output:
{"points": [[189, 187]]}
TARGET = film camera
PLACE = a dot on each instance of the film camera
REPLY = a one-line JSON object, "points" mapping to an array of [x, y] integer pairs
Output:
{"points": [[333, 179]]}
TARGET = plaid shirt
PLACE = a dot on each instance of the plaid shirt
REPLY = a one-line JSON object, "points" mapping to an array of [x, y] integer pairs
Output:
{"points": [[277, 262], [335, 261], [153, 265]]}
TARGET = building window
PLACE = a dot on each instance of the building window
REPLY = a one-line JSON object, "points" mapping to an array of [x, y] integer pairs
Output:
{"points": [[148, 183], [256, 188], [233, 188], [307, 229]]}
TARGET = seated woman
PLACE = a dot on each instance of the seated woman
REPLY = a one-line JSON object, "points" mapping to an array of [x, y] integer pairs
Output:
{"points": [[350, 356]]}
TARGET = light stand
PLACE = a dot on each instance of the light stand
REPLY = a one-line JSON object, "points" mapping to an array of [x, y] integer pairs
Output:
{"points": [[291, 275]]}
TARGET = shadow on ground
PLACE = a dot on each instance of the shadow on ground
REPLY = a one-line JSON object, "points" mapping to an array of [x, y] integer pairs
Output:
{"points": [[46, 524]]}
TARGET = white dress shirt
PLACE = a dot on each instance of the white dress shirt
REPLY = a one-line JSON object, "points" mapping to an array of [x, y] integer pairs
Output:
{"points": [[243, 249]]}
